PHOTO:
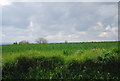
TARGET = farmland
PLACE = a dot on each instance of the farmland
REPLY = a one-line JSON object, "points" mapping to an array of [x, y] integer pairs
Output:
{"points": [[85, 60]]}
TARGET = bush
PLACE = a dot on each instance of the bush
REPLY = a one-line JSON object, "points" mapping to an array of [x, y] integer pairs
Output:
{"points": [[23, 42], [56, 68], [116, 50], [51, 63], [23, 63], [74, 66]]}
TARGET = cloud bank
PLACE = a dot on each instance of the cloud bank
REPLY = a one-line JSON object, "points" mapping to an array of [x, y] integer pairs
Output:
{"points": [[59, 21]]}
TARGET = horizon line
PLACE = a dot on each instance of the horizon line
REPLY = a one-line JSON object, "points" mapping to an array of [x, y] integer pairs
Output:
{"points": [[64, 42]]}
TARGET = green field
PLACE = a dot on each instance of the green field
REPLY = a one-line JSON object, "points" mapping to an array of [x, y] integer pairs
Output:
{"points": [[85, 60]]}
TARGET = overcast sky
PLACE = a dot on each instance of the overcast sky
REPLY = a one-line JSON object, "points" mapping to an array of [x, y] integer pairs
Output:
{"points": [[59, 21]]}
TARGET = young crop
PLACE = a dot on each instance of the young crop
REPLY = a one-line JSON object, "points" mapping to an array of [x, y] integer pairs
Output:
{"points": [[98, 60]]}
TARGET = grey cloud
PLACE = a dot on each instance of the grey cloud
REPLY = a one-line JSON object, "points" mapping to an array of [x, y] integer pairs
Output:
{"points": [[58, 20]]}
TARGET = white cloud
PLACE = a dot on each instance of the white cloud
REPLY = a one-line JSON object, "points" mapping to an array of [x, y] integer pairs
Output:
{"points": [[97, 27], [3, 35], [31, 26], [8, 2], [108, 28], [106, 11], [4, 2], [104, 34], [113, 30], [16, 34], [59, 21], [100, 24], [59, 37]]}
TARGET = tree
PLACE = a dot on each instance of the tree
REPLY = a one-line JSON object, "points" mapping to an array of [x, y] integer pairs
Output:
{"points": [[66, 41], [15, 43], [23, 42], [41, 40]]}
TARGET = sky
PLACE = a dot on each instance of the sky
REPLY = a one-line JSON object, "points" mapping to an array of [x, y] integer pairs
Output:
{"points": [[59, 21]]}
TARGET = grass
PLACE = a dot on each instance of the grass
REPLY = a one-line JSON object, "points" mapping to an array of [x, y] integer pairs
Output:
{"points": [[98, 60]]}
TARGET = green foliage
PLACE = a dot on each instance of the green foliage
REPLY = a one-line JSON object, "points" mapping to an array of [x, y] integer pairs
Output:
{"points": [[99, 60]]}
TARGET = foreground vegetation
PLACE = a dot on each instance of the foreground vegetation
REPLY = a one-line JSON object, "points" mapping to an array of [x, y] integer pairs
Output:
{"points": [[98, 60]]}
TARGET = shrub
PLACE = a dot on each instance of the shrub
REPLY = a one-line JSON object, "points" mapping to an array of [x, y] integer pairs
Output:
{"points": [[23, 63], [74, 66], [116, 50], [23, 42], [51, 63]]}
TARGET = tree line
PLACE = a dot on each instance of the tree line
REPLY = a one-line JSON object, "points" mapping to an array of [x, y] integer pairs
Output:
{"points": [[39, 41]]}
